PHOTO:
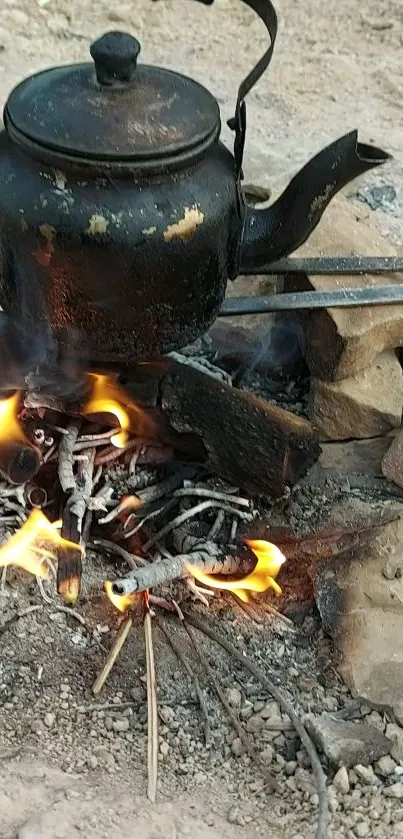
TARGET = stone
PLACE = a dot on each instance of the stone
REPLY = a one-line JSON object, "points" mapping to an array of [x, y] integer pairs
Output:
{"points": [[362, 609], [385, 766], [362, 829], [342, 342], [164, 748], [49, 719], [121, 725], [237, 747], [234, 697], [340, 781], [395, 734], [394, 791], [365, 405], [346, 743], [255, 724], [392, 461], [366, 774]]}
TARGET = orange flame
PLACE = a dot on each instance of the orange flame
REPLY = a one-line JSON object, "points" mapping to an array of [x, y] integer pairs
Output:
{"points": [[10, 428], [104, 399], [269, 562], [36, 541], [122, 602]]}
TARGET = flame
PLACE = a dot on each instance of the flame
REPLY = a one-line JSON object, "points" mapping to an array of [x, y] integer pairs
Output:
{"points": [[10, 428], [122, 602], [103, 401], [269, 562], [37, 540]]}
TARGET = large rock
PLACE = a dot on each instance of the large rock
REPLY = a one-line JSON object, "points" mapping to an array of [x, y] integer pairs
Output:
{"points": [[347, 743], [360, 598], [341, 342], [365, 405], [392, 461]]}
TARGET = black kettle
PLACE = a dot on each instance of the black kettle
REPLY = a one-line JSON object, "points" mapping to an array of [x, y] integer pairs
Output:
{"points": [[122, 215]]}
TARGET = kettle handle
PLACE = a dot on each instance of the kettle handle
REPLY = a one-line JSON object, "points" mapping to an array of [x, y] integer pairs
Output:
{"points": [[267, 13]]}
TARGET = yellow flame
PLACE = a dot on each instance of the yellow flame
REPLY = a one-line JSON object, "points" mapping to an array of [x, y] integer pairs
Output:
{"points": [[10, 428], [269, 562], [102, 401], [122, 602], [37, 539]]}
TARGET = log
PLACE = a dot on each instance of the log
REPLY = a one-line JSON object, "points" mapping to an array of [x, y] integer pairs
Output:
{"points": [[238, 436]]}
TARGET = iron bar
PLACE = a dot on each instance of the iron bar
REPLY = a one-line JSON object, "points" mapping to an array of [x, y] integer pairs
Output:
{"points": [[327, 265], [291, 301]]}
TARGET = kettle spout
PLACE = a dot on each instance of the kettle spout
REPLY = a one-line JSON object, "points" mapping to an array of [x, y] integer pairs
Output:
{"points": [[276, 231]]}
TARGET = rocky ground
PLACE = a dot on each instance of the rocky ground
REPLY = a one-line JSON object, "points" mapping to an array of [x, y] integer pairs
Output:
{"points": [[69, 765]]}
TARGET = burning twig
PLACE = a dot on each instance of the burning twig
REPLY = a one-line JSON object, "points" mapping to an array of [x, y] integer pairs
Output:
{"points": [[194, 511], [112, 656], [199, 693], [70, 562], [286, 706], [173, 568], [152, 709]]}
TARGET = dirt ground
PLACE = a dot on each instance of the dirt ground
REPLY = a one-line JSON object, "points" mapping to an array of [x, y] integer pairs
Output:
{"points": [[64, 769]]}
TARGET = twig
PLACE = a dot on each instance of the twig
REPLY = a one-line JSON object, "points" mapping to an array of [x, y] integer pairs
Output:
{"points": [[199, 693], [215, 529], [66, 448], [152, 710], [112, 656], [83, 488], [286, 706], [173, 568], [132, 559], [127, 504], [22, 613], [151, 515], [204, 492], [112, 453], [269, 779], [188, 514], [59, 608]]}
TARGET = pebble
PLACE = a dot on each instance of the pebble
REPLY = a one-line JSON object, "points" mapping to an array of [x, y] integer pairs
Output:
{"points": [[164, 748], [49, 719], [361, 829], [365, 774], [234, 816], [255, 724], [395, 734], [394, 791], [234, 697], [385, 765], [121, 724], [237, 747], [246, 711], [341, 781]]}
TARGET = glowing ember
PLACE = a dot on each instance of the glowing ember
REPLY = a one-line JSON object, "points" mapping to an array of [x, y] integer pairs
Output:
{"points": [[104, 399], [269, 562], [10, 428], [122, 602], [36, 541]]}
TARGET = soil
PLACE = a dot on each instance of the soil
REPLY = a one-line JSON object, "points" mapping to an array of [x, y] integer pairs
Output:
{"points": [[68, 766]]}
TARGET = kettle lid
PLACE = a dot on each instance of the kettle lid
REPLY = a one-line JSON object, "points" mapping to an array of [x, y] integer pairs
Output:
{"points": [[113, 109]]}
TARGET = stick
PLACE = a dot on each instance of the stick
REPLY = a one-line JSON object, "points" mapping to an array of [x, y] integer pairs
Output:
{"points": [[173, 568], [203, 492], [188, 514], [286, 706], [112, 656], [268, 777], [199, 693], [66, 453], [152, 710], [132, 559]]}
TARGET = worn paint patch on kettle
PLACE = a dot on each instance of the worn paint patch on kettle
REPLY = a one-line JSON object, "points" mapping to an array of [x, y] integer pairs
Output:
{"points": [[186, 226], [97, 224]]}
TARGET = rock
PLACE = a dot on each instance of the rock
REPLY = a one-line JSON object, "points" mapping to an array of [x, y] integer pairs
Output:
{"points": [[167, 714], [246, 711], [255, 724], [341, 342], [341, 781], [121, 725], [164, 748], [365, 405], [49, 719], [362, 829], [392, 461], [346, 743], [366, 774], [395, 734], [237, 747], [267, 755], [394, 791], [234, 697], [385, 766], [361, 609]]}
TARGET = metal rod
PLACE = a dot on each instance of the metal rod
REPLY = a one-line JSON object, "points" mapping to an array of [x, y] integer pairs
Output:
{"points": [[369, 296], [325, 265]]}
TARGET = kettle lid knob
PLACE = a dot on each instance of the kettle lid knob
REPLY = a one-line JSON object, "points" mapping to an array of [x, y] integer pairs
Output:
{"points": [[115, 56]]}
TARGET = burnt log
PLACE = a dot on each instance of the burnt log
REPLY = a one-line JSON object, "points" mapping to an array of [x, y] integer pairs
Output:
{"points": [[238, 436]]}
